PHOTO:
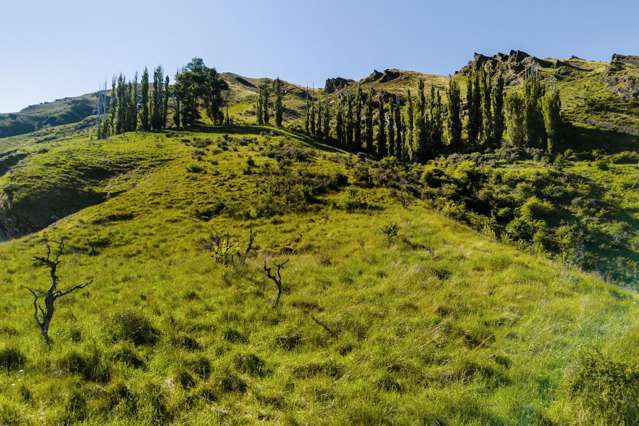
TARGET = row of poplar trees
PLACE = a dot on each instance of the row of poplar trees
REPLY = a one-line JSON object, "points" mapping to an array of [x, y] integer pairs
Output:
{"points": [[423, 127], [145, 105], [262, 113]]}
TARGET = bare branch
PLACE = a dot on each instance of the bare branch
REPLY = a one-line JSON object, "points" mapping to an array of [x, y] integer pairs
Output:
{"points": [[276, 278], [74, 288]]}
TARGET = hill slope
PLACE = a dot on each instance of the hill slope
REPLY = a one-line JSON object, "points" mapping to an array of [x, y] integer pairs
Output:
{"points": [[390, 314]]}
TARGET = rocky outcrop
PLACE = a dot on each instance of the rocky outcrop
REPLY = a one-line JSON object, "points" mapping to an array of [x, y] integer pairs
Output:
{"points": [[337, 83], [513, 64], [622, 76], [389, 74]]}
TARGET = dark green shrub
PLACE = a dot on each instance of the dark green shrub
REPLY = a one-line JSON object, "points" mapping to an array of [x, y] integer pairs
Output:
{"points": [[90, 367], [201, 366], [606, 391], [234, 336], [134, 328], [289, 341], [250, 364], [128, 356], [12, 359], [231, 382]]}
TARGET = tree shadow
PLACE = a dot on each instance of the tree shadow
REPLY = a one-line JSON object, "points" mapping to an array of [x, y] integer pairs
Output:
{"points": [[609, 141]]}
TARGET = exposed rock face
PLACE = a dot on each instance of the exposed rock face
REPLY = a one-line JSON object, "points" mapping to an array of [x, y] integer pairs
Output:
{"points": [[389, 74], [623, 76], [374, 76], [514, 64], [337, 83]]}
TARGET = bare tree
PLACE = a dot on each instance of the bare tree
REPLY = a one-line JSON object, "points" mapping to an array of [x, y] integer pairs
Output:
{"points": [[44, 314], [225, 249], [276, 278]]}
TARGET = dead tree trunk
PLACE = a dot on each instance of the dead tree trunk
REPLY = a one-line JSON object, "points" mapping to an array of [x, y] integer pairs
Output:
{"points": [[276, 278], [44, 315]]}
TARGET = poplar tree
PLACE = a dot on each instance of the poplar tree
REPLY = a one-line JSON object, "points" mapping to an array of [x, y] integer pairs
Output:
{"points": [[157, 98], [165, 106], [279, 108], [436, 125], [498, 110], [133, 114], [266, 100], [320, 116], [420, 137], [369, 121], [145, 100], [551, 107], [113, 107], [487, 117], [313, 129], [516, 118], [339, 121], [327, 120], [349, 121], [475, 114], [177, 119], [358, 119], [533, 91], [408, 136], [454, 123], [391, 128], [399, 152], [307, 113], [381, 128], [473, 125], [259, 116]]}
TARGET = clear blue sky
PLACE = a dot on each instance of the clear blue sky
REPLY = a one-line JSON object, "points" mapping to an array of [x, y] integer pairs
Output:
{"points": [[57, 48]]}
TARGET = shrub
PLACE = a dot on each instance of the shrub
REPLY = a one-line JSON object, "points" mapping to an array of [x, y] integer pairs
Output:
{"points": [[128, 356], [289, 341], [134, 328], [201, 366], [234, 336], [607, 391], [12, 359], [231, 382]]}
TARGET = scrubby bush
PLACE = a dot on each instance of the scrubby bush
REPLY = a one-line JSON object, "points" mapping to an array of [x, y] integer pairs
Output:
{"points": [[250, 364], [89, 366]]}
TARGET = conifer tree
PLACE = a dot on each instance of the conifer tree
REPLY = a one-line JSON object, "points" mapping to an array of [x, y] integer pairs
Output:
{"points": [[382, 150], [145, 100], [358, 119], [498, 110], [454, 123], [551, 107], [369, 121], [516, 118], [279, 107], [122, 102]]}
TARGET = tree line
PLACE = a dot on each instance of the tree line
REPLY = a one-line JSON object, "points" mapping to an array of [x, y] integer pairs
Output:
{"points": [[417, 128], [145, 105]]}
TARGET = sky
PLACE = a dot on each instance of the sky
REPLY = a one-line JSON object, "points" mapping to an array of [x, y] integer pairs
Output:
{"points": [[53, 49]]}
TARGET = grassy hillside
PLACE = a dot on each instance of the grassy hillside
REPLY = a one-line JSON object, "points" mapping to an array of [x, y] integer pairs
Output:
{"points": [[391, 312]]}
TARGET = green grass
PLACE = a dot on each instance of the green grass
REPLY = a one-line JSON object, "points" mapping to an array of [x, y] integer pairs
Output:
{"points": [[435, 323]]}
